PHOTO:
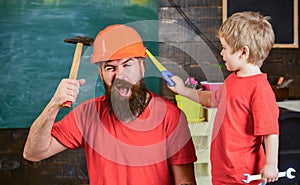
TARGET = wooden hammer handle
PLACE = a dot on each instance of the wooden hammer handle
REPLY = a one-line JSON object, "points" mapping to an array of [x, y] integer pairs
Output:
{"points": [[74, 68]]}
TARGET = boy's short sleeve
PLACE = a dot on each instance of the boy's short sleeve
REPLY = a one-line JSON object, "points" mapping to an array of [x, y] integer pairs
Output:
{"points": [[216, 95], [265, 111]]}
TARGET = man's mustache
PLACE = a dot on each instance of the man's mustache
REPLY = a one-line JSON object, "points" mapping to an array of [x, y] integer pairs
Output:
{"points": [[123, 83]]}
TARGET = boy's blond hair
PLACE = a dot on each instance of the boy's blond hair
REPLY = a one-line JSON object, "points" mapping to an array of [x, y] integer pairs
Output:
{"points": [[249, 29]]}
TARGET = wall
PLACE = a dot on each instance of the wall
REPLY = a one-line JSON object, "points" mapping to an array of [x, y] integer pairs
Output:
{"points": [[206, 15]]}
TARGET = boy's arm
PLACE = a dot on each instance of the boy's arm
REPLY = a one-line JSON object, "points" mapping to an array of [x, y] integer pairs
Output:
{"points": [[270, 169], [202, 97]]}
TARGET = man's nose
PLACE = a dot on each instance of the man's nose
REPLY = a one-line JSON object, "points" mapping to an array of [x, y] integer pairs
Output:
{"points": [[121, 73]]}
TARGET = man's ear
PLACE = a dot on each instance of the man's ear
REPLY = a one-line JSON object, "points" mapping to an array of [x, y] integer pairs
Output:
{"points": [[100, 72], [143, 66], [245, 52]]}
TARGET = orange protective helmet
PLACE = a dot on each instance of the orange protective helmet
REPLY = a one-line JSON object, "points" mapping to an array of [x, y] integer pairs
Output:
{"points": [[116, 42]]}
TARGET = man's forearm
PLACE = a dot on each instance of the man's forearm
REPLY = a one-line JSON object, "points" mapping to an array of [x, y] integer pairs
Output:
{"points": [[39, 137]]}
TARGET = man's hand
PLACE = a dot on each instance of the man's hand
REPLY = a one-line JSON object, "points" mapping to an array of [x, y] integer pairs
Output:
{"points": [[67, 90]]}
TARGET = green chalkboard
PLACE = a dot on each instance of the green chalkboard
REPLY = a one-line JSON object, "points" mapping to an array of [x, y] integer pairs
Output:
{"points": [[34, 57]]}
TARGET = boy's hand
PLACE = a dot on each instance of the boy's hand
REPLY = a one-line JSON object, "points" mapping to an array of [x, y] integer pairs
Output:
{"points": [[179, 85], [269, 173]]}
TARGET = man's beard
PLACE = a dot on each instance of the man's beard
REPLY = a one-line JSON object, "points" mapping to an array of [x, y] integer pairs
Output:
{"points": [[126, 108]]}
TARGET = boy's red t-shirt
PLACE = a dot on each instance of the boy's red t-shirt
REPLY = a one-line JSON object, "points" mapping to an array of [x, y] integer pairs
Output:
{"points": [[247, 110]]}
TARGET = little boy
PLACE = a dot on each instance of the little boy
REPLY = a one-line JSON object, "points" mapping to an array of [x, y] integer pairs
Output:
{"points": [[247, 112]]}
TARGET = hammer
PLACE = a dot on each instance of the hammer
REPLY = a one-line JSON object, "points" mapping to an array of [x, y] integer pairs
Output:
{"points": [[80, 41], [287, 173]]}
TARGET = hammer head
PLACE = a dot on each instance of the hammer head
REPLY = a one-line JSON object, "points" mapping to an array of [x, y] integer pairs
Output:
{"points": [[80, 39]]}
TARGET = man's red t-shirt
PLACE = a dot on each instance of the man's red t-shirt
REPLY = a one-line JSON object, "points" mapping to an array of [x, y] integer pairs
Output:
{"points": [[135, 153]]}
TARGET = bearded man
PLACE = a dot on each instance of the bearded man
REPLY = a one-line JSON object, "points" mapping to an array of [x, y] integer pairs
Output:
{"points": [[130, 135]]}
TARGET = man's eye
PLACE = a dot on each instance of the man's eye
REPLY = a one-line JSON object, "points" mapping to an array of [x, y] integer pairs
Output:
{"points": [[109, 68], [127, 65]]}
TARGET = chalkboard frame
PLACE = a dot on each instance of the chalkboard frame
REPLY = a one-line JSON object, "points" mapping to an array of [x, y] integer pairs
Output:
{"points": [[293, 44]]}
